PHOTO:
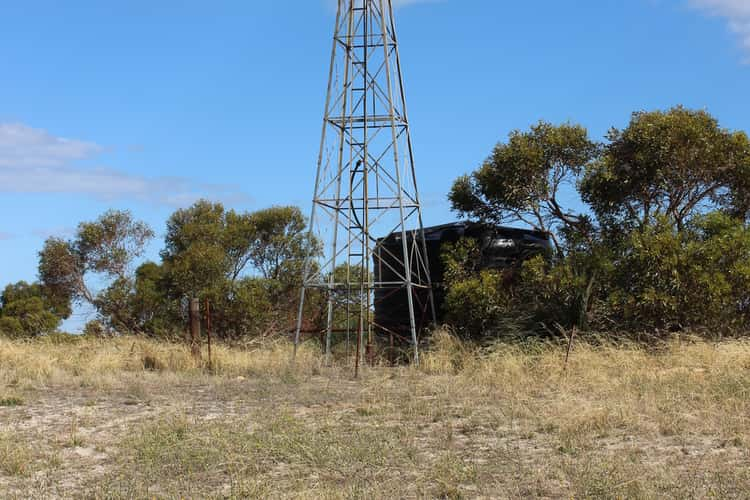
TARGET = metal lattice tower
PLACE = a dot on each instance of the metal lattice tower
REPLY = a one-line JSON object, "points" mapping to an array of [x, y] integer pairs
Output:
{"points": [[366, 187]]}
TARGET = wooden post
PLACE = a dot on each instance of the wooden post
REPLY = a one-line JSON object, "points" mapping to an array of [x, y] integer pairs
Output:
{"points": [[195, 328], [208, 332]]}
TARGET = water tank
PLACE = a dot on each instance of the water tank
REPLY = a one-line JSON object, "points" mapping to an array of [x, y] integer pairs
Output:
{"points": [[501, 248]]}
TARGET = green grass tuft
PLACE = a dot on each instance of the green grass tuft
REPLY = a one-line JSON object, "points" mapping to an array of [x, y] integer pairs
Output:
{"points": [[11, 401]]}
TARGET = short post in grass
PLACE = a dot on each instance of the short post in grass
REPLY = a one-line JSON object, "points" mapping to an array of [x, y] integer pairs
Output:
{"points": [[195, 328], [208, 332]]}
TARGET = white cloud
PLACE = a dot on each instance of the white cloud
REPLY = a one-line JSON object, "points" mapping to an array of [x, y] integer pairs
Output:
{"points": [[5, 236], [35, 161], [21, 145], [736, 12]]}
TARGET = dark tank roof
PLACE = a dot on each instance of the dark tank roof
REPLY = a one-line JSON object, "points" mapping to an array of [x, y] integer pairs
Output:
{"points": [[444, 232]]}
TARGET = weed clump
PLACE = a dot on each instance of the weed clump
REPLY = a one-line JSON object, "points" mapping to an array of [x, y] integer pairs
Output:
{"points": [[10, 401], [15, 457], [152, 363]]}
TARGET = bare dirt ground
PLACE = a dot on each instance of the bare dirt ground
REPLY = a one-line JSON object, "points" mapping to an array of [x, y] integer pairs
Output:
{"points": [[86, 420]]}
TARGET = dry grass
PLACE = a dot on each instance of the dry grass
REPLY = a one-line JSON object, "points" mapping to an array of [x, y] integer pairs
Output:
{"points": [[132, 418]]}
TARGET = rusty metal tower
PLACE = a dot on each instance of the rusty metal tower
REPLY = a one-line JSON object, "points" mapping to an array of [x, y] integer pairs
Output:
{"points": [[366, 196]]}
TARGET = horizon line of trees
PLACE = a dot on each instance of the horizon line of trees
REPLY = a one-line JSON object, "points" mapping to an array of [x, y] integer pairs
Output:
{"points": [[658, 242], [247, 265]]}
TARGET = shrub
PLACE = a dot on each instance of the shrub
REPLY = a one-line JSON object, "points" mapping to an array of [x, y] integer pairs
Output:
{"points": [[11, 327], [699, 277], [26, 312], [94, 328], [247, 308], [479, 304], [656, 278]]}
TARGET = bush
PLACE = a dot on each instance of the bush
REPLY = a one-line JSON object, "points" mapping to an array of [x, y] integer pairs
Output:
{"points": [[94, 328], [11, 327], [247, 308], [479, 304], [482, 307], [552, 293], [696, 278], [26, 312], [656, 278]]}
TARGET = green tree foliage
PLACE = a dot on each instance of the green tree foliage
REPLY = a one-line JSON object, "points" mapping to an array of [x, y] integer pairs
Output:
{"points": [[94, 328], [479, 303], [480, 306], [671, 164], [249, 265], [101, 252], [200, 248], [280, 244], [655, 279], [26, 311], [522, 179], [698, 277], [252, 308], [154, 310], [461, 260], [663, 246], [61, 272], [141, 304], [207, 245]]}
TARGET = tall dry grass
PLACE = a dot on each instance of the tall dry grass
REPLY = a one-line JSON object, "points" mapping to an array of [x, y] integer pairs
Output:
{"points": [[620, 420], [103, 363], [685, 384], [683, 365]]}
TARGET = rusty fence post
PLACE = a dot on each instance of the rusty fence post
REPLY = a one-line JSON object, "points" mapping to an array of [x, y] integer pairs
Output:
{"points": [[359, 345], [208, 332]]}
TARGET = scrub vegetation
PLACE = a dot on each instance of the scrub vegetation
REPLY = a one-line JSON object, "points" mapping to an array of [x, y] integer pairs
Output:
{"points": [[649, 231]]}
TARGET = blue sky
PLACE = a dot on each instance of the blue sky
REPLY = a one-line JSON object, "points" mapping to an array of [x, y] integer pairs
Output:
{"points": [[146, 106]]}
